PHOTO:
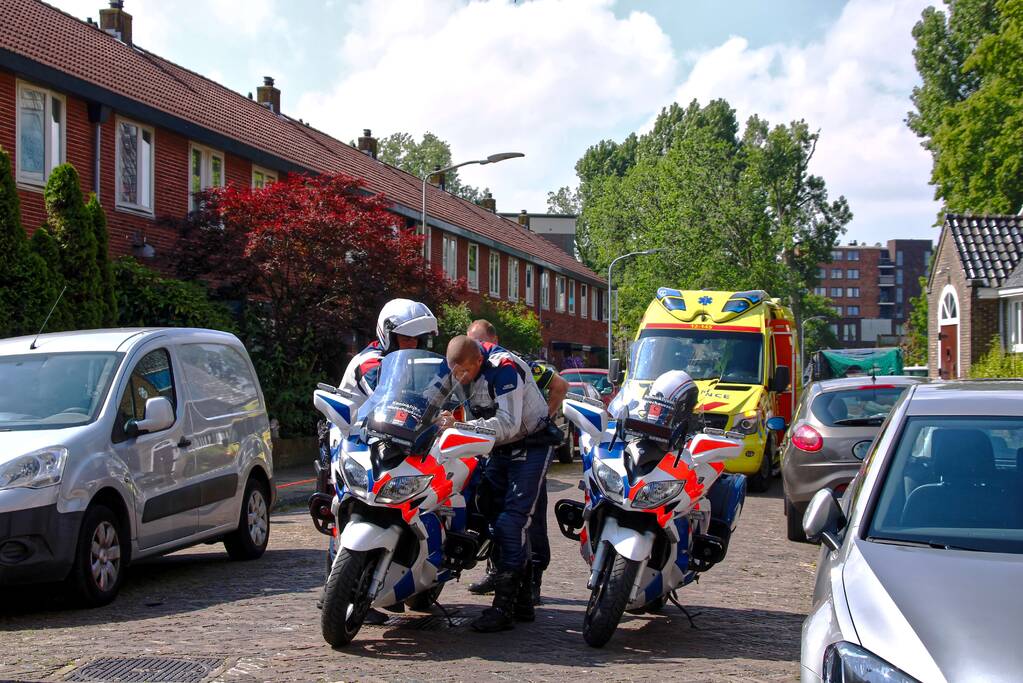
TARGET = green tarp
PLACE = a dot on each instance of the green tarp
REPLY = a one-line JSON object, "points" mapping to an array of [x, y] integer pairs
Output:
{"points": [[839, 363]]}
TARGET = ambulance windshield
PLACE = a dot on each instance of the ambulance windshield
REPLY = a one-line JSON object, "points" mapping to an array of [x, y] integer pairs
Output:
{"points": [[704, 354]]}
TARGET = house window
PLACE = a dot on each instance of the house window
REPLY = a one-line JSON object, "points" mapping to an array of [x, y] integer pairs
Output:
{"points": [[849, 331], [834, 329], [898, 276], [560, 293], [836, 273], [1015, 325], [898, 295], [134, 167], [822, 273], [852, 274], [426, 242], [838, 310], [949, 309], [836, 291], [852, 292], [852, 310], [513, 279], [898, 257], [820, 291], [262, 177], [474, 267], [584, 300], [836, 255], [529, 284], [545, 290], [852, 255], [495, 274], [449, 256], [206, 171], [571, 297], [41, 133]]}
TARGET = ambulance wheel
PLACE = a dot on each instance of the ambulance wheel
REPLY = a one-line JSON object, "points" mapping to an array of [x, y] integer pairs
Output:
{"points": [[761, 481]]}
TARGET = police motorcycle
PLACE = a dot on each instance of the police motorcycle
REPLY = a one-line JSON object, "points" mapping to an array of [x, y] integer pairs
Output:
{"points": [[399, 518], [658, 510]]}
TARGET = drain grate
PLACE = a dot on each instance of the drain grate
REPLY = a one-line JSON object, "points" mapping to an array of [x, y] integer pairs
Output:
{"points": [[430, 623], [146, 669]]}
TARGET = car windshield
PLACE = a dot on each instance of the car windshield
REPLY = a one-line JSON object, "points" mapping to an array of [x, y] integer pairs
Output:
{"points": [[413, 388], [954, 482], [53, 390], [598, 380], [865, 405], [730, 356]]}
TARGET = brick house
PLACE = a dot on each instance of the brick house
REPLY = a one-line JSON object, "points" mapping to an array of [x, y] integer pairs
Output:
{"points": [[974, 292], [144, 134]]}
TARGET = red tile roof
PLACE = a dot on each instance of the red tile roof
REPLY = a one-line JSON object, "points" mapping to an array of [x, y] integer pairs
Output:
{"points": [[48, 36]]}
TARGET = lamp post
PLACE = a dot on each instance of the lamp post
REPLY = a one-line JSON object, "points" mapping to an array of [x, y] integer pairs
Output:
{"points": [[609, 313], [492, 159], [802, 336]]}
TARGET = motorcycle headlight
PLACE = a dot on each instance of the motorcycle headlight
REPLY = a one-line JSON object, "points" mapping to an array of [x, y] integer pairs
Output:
{"points": [[400, 489], [355, 475], [34, 470], [746, 424], [610, 481], [848, 663], [657, 493]]}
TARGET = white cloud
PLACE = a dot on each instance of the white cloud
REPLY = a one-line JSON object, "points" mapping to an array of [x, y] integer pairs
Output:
{"points": [[853, 84], [547, 78], [249, 17]]}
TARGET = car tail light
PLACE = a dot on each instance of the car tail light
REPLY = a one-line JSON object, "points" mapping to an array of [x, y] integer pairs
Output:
{"points": [[808, 439]]}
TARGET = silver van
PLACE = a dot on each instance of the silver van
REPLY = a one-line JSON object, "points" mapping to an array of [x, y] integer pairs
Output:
{"points": [[117, 445]]}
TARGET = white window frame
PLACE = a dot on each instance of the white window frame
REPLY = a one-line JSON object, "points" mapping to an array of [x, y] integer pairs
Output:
{"points": [[118, 202], [820, 291], [1014, 325], [832, 291], [852, 310], [852, 292], [849, 331], [494, 274], [948, 317], [584, 300], [595, 311], [48, 165], [852, 274], [513, 279], [560, 294], [836, 255], [545, 290], [530, 280], [269, 177], [472, 274], [205, 171], [836, 274], [449, 256], [852, 255], [427, 234], [571, 297]]}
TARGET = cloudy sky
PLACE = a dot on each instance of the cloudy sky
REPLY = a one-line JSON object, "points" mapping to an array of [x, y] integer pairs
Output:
{"points": [[551, 77]]}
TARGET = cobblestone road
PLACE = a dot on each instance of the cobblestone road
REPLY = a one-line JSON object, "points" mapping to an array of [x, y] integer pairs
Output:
{"points": [[260, 622]]}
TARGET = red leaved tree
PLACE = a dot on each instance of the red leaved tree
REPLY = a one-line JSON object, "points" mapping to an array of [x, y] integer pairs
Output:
{"points": [[312, 260]]}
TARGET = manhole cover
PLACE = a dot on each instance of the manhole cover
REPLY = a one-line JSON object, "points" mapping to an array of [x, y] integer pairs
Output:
{"points": [[432, 623], [146, 669]]}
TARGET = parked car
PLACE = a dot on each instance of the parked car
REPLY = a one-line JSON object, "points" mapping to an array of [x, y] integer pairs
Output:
{"points": [[833, 426], [918, 576], [117, 445], [597, 377]]}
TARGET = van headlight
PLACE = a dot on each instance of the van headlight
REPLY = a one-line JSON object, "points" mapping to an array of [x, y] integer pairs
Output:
{"points": [[746, 424], [848, 663], [355, 475], [400, 489], [657, 493], [610, 481], [34, 470]]}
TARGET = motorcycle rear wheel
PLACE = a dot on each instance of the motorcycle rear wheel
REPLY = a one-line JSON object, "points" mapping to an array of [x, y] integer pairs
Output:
{"points": [[608, 600], [346, 596]]}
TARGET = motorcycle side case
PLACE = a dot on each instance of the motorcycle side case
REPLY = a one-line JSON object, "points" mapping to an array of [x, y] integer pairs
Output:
{"points": [[727, 496]]}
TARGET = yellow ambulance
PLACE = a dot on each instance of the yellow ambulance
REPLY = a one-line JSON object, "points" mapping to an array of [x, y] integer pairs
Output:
{"points": [[740, 348]]}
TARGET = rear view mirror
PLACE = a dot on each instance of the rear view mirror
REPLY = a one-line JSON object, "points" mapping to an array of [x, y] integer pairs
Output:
{"points": [[824, 519], [615, 372], [776, 424], [159, 416], [782, 378]]}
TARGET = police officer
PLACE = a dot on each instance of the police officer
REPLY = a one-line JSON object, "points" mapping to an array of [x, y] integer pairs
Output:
{"points": [[555, 388], [504, 397]]}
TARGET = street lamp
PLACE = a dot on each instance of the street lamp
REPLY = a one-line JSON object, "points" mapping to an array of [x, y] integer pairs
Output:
{"points": [[609, 315], [492, 159]]}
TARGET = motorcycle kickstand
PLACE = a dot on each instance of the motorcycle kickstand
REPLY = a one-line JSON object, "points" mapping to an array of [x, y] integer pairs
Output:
{"points": [[689, 615], [447, 614]]}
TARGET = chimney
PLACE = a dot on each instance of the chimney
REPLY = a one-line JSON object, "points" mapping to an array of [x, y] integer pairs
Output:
{"points": [[116, 21], [368, 143], [268, 95], [524, 219], [489, 203]]}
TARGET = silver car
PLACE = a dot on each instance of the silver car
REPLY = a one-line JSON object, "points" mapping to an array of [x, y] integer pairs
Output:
{"points": [[832, 428], [919, 573], [121, 444]]}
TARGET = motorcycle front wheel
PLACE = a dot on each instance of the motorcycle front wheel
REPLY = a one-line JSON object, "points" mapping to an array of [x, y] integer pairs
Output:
{"points": [[346, 595], [608, 599]]}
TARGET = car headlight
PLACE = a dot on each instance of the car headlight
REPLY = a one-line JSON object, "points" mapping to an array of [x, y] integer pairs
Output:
{"points": [[657, 493], [355, 475], [400, 489], [610, 481], [34, 470], [848, 663], [746, 424]]}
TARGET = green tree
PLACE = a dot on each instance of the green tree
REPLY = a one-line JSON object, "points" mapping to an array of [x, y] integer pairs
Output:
{"points": [[99, 227], [997, 363], [517, 326], [403, 151], [566, 201], [147, 299], [916, 343], [72, 227], [48, 255]]}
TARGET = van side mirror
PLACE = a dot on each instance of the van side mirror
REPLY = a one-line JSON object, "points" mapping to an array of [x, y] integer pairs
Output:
{"points": [[159, 416], [614, 374], [776, 424], [823, 519], [782, 378]]}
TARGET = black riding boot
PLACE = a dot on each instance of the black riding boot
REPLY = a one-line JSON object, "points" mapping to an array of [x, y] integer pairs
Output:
{"points": [[537, 580], [485, 585], [524, 597], [499, 617]]}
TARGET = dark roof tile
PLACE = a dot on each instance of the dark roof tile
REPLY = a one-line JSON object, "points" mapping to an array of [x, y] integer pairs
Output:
{"points": [[990, 247]]}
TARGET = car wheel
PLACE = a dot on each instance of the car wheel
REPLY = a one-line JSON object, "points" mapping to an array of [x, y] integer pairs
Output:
{"points": [[248, 541], [761, 481], [98, 567], [794, 522]]}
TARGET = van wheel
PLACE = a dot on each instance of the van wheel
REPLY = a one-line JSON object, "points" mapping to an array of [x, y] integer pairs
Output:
{"points": [[248, 541], [98, 566], [761, 481]]}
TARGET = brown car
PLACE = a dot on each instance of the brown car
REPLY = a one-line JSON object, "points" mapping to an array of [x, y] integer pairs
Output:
{"points": [[831, 431]]}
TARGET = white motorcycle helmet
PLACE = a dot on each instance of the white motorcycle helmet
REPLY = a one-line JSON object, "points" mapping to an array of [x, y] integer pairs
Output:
{"points": [[405, 317]]}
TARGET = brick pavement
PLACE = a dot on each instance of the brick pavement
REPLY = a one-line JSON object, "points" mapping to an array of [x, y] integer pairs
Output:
{"points": [[260, 618]]}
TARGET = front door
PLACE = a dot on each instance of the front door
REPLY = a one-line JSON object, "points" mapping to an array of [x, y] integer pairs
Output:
{"points": [[948, 352]]}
